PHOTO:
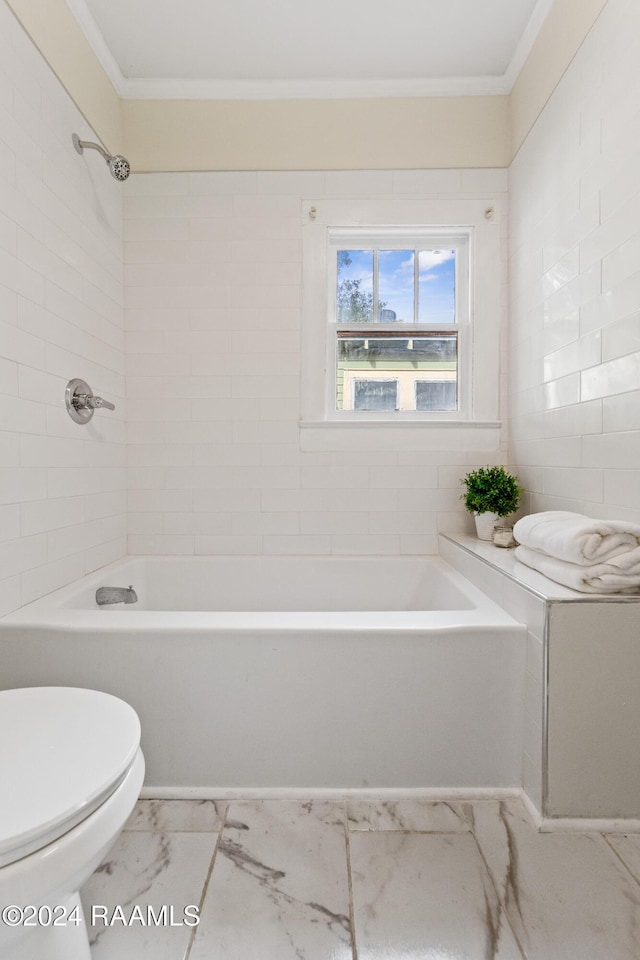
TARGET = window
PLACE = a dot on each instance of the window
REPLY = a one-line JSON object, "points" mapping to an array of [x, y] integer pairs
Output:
{"points": [[436, 394], [401, 323], [398, 312], [374, 394]]}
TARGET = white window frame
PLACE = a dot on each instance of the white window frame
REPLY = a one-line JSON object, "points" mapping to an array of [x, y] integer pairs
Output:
{"points": [[401, 238], [475, 425]]}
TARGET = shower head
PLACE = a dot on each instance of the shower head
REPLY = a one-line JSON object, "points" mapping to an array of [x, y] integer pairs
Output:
{"points": [[118, 166]]}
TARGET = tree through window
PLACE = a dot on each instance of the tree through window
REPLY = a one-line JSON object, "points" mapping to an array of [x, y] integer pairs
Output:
{"points": [[396, 318]]}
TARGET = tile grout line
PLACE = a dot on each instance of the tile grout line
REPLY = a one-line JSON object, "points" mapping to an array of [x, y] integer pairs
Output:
{"points": [[347, 840], [205, 887], [624, 863]]}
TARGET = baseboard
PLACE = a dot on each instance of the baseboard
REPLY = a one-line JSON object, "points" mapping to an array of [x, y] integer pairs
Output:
{"points": [[330, 793], [390, 794], [588, 825]]}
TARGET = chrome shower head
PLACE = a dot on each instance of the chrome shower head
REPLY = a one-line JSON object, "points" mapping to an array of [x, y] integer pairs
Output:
{"points": [[118, 166]]}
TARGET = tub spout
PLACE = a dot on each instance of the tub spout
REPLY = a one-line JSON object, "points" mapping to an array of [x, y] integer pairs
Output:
{"points": [[106, 595]]}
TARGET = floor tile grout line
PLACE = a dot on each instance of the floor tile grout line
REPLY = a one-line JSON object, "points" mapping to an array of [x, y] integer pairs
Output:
{"points": [[617, 854], [205, 886], [352, 916], [495, 887], [495, 877], [405, 830]]}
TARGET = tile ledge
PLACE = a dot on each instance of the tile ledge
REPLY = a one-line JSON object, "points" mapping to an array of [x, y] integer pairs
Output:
{"points": [[503, 561]]}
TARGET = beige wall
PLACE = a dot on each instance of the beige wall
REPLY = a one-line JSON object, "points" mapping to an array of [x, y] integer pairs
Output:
{"points": [[54, 30], [369, 134], [431, 132]]}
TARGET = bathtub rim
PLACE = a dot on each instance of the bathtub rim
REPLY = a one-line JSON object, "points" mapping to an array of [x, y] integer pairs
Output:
{"points": [[53, 609]]}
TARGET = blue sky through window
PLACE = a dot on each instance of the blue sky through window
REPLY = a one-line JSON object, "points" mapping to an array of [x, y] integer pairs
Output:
{"points": [[396, 278], [437, 286], [395, 282]]}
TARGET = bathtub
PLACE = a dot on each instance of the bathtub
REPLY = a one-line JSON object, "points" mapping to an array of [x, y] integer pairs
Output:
{"points": [[254, 676]]}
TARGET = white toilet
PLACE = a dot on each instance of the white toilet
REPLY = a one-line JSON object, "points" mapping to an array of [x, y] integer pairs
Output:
{"points": [[71, 770]]}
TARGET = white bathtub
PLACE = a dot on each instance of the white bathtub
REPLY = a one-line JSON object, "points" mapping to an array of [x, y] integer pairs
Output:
{"points": [[257, 675]]}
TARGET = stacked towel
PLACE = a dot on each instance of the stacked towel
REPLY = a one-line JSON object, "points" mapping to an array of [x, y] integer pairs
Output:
{"points": [[592, 556]]}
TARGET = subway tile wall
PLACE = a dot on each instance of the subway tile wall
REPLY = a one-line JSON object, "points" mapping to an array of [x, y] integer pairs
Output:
{"points": [[530, 609], [213, 266], [574, 325], [62, 486]]}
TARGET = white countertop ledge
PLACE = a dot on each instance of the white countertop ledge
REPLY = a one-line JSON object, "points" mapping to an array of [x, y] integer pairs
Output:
{"points": [[504, 560]]}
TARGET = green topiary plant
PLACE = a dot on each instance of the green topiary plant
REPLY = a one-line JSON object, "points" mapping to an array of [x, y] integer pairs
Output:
{"points": [[491, 490]]}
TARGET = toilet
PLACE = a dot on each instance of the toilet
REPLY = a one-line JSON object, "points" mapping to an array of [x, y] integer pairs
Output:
{"points": [[71, 770]]}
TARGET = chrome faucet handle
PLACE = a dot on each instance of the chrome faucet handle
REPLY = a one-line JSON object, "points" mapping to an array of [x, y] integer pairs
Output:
{"points": [[96, 402], [81, 403]]}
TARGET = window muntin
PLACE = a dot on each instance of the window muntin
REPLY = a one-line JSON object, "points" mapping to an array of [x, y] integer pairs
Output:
{"points": [[412, 284]]}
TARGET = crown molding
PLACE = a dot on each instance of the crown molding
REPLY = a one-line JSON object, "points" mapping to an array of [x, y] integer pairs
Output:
{"points": [[527, 40], [97, 43], [347, 89]]}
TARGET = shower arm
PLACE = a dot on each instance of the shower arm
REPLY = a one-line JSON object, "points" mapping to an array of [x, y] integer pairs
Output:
{"points": [[80, 145], [119, 166]]}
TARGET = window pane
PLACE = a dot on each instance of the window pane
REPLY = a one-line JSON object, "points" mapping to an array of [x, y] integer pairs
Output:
{"points": [[396, 284], [355, 286], [390, 356], [375, 394], [437, 286], [436, 395]]}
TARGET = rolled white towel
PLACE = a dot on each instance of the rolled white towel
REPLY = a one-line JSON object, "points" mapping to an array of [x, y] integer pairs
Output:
{"points": [[611, 577], [576, 538]]}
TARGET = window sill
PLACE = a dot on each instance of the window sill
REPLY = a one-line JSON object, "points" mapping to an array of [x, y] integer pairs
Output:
{"points": [[325, 435]]}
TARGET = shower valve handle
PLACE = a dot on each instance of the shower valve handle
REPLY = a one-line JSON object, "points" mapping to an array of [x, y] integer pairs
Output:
{"points": [[81, 402]]}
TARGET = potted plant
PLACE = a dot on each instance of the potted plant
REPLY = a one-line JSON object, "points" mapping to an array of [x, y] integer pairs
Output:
{"points": [[491, 493]]}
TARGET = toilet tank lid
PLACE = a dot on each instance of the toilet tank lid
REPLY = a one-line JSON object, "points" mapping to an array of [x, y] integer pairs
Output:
{"points": [[63, 750]]}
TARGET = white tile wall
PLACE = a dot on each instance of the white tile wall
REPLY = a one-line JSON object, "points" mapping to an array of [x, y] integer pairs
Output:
{"points": [[213, 266], [62, 496], [574, 353], [528, 608]]}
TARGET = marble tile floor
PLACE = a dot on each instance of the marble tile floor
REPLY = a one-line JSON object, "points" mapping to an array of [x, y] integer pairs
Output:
{"points": [[359, 880]]}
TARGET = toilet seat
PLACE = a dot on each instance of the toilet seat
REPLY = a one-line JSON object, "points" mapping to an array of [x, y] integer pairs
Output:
{"points": [[63, 752]]}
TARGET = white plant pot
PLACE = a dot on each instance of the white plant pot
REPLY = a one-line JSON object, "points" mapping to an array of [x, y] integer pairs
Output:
{"points": [[485, 522]]}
